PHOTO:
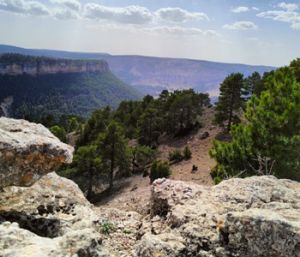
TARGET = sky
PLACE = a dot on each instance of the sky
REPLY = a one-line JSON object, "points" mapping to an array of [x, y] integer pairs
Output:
{"points": [[265, 32]]}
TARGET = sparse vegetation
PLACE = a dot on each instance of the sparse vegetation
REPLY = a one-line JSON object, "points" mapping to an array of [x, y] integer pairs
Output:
{"points": [[194, 168], [159, 169], [175, 156], [107, 228], [187, 154]]}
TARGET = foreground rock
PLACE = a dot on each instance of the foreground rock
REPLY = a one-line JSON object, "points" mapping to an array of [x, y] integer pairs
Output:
{"points": [[258, 216], [28, 151], [53, 218], [252, 217]]}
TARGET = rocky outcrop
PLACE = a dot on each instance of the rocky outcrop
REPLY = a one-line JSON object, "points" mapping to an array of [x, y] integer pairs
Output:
{"points": [[28, 151], [53, 218], [258, 216], [251, 217]]}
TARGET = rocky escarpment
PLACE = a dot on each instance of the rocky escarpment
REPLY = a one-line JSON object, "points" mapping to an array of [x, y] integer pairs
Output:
{"points": [[258, 216], [28, 151], [252, 217], [14, 64]]}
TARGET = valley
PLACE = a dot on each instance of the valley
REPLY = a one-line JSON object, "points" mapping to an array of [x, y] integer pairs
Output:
{"points": [[150, 75], [149, 128]]}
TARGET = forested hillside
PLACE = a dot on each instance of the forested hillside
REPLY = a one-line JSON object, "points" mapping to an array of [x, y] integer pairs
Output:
{"points": [[72, 92], [256, 121]]}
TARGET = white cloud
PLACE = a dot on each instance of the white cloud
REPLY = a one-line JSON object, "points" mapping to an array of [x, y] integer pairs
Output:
{"points": [[291, 17], [179, 15], [180, 31], [240, 9], [288, 6], [65, 14], [241, 25], [24, 7], [129, 15], [72, 4], [255, 8]]}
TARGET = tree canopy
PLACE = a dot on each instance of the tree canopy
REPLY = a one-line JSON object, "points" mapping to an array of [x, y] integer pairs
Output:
{"points": [[269, 141]]}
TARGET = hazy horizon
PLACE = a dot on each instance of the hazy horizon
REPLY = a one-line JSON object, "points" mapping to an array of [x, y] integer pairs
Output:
{"points": [[229, 31], [139, 55]]}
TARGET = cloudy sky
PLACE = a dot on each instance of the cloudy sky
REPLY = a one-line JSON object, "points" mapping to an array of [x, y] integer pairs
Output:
{"points": [[253, 32]]}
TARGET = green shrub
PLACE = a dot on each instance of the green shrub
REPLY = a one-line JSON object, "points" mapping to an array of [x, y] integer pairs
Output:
{"points": [[59, 132], [176, 156], [187, 154], [106, 227], [159, 169]]}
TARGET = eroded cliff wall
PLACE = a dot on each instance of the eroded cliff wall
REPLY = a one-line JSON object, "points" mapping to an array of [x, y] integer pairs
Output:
{"points": [[41, 66]]}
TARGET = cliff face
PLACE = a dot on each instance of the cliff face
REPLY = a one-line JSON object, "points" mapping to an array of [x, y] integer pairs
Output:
{"points": [[40, 86], [52, 67]]}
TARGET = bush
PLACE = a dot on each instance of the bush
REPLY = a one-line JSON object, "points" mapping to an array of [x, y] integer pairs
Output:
{"points": [[176, 156], [187, 154], [159, 169], [107, 228], [59, 132], [194, 168]]}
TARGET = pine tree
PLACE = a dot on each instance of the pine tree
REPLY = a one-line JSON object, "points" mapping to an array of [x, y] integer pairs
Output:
{"points": [[112, 147], [252, 86], [87, 160], [295, 66], [269, 142], [230, 100], [149, 127]]}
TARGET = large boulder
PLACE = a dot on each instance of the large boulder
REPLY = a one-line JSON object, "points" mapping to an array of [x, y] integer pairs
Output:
{"points": [[28, 151], [257, 216], [53, 218]]}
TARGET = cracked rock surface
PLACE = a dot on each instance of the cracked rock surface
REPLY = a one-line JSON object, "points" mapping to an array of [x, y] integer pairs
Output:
{"points": [[257, 216], [28, 151]]}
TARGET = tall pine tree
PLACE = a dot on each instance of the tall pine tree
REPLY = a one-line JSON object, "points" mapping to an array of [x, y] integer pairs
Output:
{"points": [[230, 100], [114, 152]]}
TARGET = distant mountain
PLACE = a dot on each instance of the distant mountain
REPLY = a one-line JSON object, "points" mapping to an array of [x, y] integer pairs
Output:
{"points": [[152, 74], [38, 86]]}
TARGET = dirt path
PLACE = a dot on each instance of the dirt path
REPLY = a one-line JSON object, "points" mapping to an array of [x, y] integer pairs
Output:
{"points": [[132, 194]]}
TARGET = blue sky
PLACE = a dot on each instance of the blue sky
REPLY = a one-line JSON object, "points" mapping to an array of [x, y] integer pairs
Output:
{"points": [[253, 32]]}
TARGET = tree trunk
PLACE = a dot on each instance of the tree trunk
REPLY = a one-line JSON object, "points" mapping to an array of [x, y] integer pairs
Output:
{"points": [[90, 186], [112, 164], [230, 112], [229, 121]]}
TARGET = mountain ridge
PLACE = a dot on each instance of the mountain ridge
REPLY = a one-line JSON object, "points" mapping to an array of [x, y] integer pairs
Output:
{"points": [[5, 48], [153, 74]]}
